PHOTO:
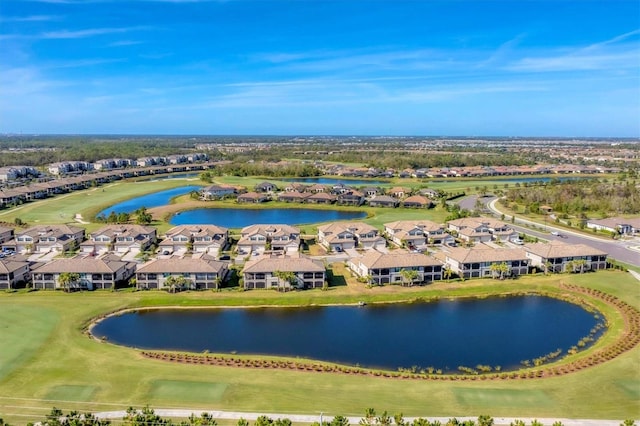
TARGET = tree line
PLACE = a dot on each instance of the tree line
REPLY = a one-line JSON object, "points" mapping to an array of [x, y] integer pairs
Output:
{"points": [[147, 417]]}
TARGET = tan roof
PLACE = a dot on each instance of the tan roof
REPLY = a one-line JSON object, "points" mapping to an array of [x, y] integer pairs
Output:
{"points": [[355, 227], [181, 265], [284, 264], [267, 229], [396, 259], [557, 249], [9, 265], [54, 230], [478, 255], [613, 222], [418, 199], [133, 230], [407, 225], [475, 222], [196, 230], [81, 265]]}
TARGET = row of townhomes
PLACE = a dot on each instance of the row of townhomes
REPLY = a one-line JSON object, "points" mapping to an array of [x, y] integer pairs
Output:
{"points": [[190, 254], [340, 193]]}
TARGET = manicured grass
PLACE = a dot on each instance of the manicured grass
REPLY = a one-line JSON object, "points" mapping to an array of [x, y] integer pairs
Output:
{"points": [[71, 393], [478, 400], [180, 391], [88, 203], [23, 330], [630, 387], [70, 363]]}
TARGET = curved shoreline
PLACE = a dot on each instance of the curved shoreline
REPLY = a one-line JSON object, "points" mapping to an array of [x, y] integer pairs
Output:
{"points": [[554, 367]]}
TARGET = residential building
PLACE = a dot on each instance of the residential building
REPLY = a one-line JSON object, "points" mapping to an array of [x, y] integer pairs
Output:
{"points": [[199, 272], [477, 262], [618, 225], [381, 268], [45, 238], [399, 192], [119, 239], [557, 256], [6, 234], [415, 233], [268, 272], [351, 198], [93, 273], [266, 187], [210, 239], [340, 236], [417, 202], [214, 192], [384, 201], [321, 198], [260, 238], [253, 197], [293, 197], [481, 229], [13, 273]]}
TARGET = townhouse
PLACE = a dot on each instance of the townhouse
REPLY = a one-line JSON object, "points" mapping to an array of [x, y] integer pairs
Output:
{"points": [[46, 238], [481, 229], [283, 273], [416, 233], [486, 261], [557, 256], [120, 239], [210, 239], [257, 239], [196, 273], [6, 234], [92, 273], [13, 273], [379, 268], [340, 236]]}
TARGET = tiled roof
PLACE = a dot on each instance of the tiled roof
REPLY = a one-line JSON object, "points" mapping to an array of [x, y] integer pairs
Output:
{"points": [[81, 265], [397, 259], [559, 249], [284, 264], [182, 265], [477, 255]]}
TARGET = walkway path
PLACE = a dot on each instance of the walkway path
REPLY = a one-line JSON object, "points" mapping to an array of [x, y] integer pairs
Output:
{"points": [[310, 418]]}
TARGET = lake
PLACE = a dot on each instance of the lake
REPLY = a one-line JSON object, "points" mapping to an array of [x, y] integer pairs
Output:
{"points": [[156, 199], [444, 334], [239, 218]]}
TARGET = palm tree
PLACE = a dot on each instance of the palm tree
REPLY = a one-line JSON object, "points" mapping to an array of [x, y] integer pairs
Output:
{"points": [[408, 276], [447, 272], [217, 281], [369, 418], [499, 270], [67, 279], [284, 278]]}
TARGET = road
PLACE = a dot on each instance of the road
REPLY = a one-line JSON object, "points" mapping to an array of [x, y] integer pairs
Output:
{"points": [[310, 418], [616, 249]]}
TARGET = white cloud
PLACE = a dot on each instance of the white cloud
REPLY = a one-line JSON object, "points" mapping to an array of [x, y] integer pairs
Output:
{"points": [[91, 32]]}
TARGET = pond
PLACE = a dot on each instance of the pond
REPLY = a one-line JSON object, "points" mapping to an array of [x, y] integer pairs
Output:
{"points": [[155, 199], [334, 181], [444, 334], [239, 218]]}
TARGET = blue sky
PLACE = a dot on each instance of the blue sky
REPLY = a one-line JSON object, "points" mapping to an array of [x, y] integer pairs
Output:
{"points": [[290, 67]]}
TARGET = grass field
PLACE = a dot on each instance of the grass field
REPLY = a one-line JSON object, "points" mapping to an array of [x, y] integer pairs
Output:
{"points": [[63, 367]]}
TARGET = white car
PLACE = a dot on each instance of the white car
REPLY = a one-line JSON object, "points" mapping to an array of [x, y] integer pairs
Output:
{"points": [[555, 233]]}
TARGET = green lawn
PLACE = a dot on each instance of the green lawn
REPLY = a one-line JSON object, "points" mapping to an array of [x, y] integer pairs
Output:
{"points": [[61, 366]]}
